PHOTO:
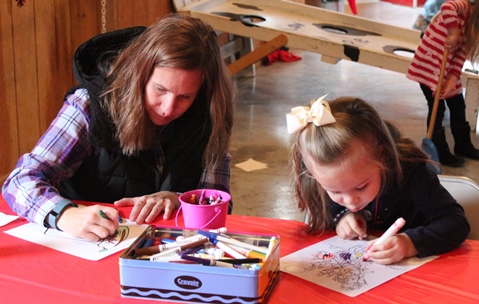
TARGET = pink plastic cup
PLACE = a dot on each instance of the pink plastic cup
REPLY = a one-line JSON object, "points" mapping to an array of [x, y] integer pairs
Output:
{"points": [[208, 216]]}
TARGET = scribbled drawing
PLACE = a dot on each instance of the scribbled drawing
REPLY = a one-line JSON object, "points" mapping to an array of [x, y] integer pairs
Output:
{"points": [[339, 265], [344, 266], [105, 244], [114, 240], [328, 256]]}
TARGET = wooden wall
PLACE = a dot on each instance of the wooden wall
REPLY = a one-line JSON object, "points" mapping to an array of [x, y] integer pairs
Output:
{"points": [[37, 43]]}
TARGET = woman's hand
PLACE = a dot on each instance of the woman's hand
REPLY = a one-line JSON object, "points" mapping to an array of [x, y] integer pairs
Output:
{"points": [[351, 226], [392, 250], [86, 223], [146, 208]]}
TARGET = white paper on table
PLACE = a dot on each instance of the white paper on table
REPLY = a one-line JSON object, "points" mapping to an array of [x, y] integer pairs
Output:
{"points": [[6, 218], [64, 242], [338, 264]]}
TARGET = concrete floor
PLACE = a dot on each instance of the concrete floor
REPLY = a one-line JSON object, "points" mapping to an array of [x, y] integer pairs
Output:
{"points": [[260, 126]]}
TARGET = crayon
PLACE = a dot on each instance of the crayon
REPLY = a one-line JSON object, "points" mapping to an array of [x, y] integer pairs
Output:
{"points": [[202, 196]]}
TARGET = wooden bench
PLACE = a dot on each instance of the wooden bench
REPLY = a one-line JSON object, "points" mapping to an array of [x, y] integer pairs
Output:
{"points": [[334, 35]]}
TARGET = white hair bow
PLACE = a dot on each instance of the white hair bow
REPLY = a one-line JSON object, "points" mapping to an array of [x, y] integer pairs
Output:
{"points": [[319, 113]]}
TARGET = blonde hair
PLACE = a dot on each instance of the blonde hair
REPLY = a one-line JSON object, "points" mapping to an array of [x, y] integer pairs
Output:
{"points": [[331, 144], [472, 33], [175, 41]]}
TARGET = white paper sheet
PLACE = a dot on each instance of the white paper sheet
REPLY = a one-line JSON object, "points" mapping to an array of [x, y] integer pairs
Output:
{"points": [[338, 264], [61, 241], [6, 218], [251, 165]]}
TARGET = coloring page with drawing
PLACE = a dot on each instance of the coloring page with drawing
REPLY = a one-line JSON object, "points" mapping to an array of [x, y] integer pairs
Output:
{"points": [[61, 241], [338, 264]]}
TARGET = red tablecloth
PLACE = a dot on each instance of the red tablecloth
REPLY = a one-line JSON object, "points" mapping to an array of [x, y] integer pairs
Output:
{"points": [[31, 273]]}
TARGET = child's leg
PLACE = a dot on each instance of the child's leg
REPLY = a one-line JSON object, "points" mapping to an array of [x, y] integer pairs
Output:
{"points": [[446, 158], [460, 128], [430, 103]]}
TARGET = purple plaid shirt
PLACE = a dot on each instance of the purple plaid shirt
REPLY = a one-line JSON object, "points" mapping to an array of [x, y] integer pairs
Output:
{"points": [[31, 191]]}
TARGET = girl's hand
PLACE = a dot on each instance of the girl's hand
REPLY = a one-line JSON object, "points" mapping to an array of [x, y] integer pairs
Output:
{"points": [[351, 226], [452, 39], [448, 86], [86, 223], [392, 250], [146, 208]]}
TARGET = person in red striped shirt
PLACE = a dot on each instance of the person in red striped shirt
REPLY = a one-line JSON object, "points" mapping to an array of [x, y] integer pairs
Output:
{"points": [[455, 27]]}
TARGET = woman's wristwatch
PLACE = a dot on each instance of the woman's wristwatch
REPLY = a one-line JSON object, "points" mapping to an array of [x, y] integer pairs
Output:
{"points": [[52, 217]]}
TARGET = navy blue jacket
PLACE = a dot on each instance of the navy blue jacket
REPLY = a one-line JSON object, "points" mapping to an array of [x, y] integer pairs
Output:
{"points": [[435, 222]]}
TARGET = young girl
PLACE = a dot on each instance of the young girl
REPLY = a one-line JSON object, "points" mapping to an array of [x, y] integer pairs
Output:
{"points": [[352, 172], [456, 28]]}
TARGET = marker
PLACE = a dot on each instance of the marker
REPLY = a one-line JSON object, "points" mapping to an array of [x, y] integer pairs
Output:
{"points": [[103, 215], [214, 236], [216, 252], [395, 227], [167, 241], [249, 253], [240, 261], [184, 262], [272, 244], [181, 239], [219, 230], [163, 247], [398, 224], [218, 200], [235, 254], [192, 249], [208, 262], [148, 242], [155, 250], [160, 259], [203, 256]]}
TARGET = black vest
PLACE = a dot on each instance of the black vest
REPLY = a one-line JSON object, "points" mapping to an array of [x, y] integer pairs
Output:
{"points": [[107, 175]]}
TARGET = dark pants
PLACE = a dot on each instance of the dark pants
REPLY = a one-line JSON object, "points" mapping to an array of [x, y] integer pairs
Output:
{"points": [[457, 110]]}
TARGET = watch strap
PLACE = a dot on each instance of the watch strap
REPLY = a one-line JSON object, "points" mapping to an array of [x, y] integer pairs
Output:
{"points": [[53, 216]]}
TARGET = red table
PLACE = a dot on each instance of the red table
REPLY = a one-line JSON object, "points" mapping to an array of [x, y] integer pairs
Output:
{"points": [[31, 273]]}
